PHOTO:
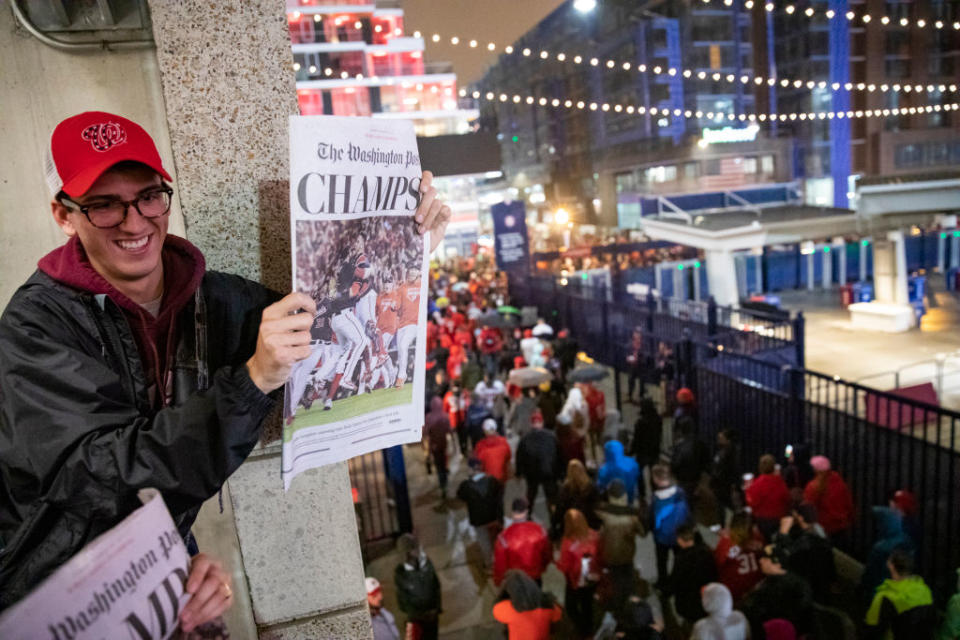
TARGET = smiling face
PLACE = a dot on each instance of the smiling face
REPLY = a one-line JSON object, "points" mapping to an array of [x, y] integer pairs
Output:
{"points": [[127, 256]]}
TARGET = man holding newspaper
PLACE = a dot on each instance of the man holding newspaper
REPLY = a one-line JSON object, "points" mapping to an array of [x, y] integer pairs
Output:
{"points": [[125, 364]]}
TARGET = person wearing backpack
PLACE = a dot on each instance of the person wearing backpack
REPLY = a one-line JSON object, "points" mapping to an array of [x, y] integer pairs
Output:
{"points": [[668, 510]]}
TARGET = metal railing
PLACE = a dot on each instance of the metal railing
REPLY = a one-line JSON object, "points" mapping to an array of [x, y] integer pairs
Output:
{"points": [[878, 441], [602, 325]]}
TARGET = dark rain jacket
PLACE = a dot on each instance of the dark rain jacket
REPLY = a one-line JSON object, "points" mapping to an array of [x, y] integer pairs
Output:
{"points": [[79, 436]]}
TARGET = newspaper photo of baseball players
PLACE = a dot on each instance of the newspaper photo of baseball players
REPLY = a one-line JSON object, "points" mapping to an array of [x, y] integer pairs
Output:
{"points": [[365, 276]]}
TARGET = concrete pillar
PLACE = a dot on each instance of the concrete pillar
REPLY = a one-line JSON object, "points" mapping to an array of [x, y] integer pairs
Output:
{"points": [[890, 269], [722, 277], [228, 86]]}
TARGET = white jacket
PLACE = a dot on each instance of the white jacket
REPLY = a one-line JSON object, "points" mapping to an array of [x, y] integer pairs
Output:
{"points": [[722, 622]]}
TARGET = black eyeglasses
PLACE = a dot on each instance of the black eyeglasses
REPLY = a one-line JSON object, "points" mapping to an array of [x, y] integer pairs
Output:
{"points": [[111, 213]]}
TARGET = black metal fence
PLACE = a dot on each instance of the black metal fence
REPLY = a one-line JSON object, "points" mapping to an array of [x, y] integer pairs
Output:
{"points": [[746, 368], [604, 327], [380, 497], [878, 441]]}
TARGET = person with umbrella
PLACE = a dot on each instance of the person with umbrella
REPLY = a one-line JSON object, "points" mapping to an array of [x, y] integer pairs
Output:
{"points": [[532, 349], [520, 415], [593, 399], [542, 330]]}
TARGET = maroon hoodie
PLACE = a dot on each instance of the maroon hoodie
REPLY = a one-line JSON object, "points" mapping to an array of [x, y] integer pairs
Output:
{"points": [[183, 269]]}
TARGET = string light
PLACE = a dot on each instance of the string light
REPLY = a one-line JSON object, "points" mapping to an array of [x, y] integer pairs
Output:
{"points": [[721, 117], [688, 73]]}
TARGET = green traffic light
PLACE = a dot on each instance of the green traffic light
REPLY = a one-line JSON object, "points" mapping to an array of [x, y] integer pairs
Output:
{"points": [[515, 138]]}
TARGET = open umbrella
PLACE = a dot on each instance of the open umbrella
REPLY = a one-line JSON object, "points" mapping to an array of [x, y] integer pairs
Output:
{"points": [[508, 309], [529, 376], [443, 303], [543, 331], [588, 373], [497, 321], [460, 286]]}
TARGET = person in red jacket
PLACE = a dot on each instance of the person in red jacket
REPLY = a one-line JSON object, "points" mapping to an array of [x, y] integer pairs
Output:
{"points": [[523, 545], [579, 562], [494, 452], [490, 344], [768, 497], [831, 497]]}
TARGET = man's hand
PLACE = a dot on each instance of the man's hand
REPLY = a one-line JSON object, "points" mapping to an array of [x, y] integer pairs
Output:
{"points": [[283, 340], [786, 523], [210, 591], [432, 215]]}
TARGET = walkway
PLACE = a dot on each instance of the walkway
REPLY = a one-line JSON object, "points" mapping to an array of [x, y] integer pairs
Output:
{"points": [[446, 535], [834, 347]]}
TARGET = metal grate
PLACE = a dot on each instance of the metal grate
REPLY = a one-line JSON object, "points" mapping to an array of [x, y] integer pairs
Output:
{"points": [[76, 24]]}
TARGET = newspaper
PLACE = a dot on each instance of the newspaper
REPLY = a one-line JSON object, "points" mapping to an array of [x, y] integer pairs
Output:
{"points": [[354, 188], [128, 583]]}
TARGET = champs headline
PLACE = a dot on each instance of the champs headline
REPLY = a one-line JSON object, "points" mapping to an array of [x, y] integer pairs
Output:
{"points": [[344, 193]]}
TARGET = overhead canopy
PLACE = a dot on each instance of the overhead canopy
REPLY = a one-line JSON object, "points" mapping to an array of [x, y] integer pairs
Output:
{"points": [[732, 229]]}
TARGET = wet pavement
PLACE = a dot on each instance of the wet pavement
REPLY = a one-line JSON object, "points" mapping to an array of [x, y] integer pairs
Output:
{"points": [[449, 541]]}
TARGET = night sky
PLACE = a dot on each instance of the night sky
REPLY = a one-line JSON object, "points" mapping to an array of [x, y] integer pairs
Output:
{"points": [[499, 21]]}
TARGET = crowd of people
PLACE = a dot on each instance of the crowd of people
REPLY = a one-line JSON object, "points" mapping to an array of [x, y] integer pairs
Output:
{"points": [[738, 555], [615, 260]]}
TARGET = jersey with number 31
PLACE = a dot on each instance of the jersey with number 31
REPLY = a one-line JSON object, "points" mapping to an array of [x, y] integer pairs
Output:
{"points": [[739, 566]]}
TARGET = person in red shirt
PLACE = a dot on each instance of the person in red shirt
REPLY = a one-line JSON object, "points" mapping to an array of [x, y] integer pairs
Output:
{"points": [[738, 555], [494, 452], [831, 497], [464, 338], [525, 609], [768, 497], [523, 545], [455, 360], [490, 344], [579, 562]]}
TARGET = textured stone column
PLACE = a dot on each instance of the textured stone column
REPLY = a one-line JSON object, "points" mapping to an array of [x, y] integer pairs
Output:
{"points": [[228, 83]]}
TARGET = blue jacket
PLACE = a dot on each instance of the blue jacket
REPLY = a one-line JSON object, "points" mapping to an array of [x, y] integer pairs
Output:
{"points": [[891, 535], [618, 466], [668, 511]]}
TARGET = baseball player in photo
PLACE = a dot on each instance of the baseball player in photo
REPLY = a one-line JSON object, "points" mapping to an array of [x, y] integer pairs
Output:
{"points": [[409, 314], [319, 367], [352, 285], [388, 308]]}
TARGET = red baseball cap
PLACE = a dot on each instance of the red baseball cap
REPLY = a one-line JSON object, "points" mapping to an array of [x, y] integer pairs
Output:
{"points": [[84, 146]]}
